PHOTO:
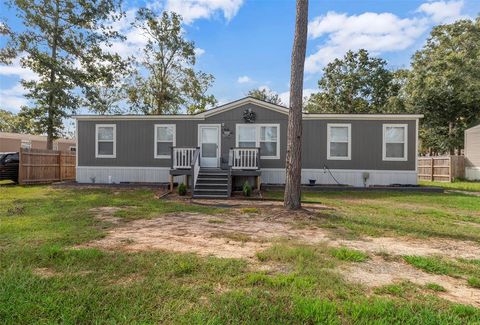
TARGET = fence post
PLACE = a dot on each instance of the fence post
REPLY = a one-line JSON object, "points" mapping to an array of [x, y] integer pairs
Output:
{"points": [[60, 169], [20, 167], [432, 172], [450, 169]]}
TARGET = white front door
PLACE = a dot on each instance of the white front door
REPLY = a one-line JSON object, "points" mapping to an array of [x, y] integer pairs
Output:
{"points": [[209, 143]]}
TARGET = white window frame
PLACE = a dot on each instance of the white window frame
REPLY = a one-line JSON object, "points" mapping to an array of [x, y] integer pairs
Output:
{"points": [[257, 135], [155, 140], [405, 143], [97, 127], [349, 137], [55, 146]]}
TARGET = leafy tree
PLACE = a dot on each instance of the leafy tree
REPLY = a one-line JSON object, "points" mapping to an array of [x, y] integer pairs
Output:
{"points": [[7, 52], [15, 123], [444, 84], [265, 95], [357, 83], [63, 42], [170, 83], [293, 163]]}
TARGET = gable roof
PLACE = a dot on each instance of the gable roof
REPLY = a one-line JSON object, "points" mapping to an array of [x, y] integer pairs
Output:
{"points": [[250, 100]]}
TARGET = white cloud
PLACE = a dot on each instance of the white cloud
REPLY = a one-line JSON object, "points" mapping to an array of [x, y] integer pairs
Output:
{"points": [[16, 69], [199, 51], [192, 10], [244, 79], [443, 11], [285, 96], [13, 99], [375, 32]]}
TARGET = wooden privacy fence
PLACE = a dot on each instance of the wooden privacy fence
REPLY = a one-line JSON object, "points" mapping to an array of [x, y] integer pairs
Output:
{"points": [[38, 166], [441, 169]]}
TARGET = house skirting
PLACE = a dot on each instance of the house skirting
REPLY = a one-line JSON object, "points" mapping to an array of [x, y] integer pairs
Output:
{"points": [[106, 175], [472, 173], [352, 177]]}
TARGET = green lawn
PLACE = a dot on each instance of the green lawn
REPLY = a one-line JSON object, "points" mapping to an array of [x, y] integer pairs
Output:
{"points": [[414, 214], [39, 225], [457, 185]]}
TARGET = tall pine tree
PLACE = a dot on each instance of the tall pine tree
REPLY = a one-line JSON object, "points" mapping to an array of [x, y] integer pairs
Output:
{"points": [[64, 43]]}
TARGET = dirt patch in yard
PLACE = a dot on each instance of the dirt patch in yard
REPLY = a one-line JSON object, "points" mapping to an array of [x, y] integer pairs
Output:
{"points": [[411, 246], [377, 272], [234, 237], [107, 214], [237, 234]]}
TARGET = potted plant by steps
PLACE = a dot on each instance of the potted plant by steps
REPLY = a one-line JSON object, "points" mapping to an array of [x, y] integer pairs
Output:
{"points": [[312, 182], [247, 189], [182, 189]]}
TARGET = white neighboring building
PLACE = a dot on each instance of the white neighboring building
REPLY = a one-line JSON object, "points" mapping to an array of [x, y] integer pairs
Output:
{"points": [[472, 153]]}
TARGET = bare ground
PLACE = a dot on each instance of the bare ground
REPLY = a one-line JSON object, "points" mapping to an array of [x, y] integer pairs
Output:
{"points": [[240, 234], [377, 272]]}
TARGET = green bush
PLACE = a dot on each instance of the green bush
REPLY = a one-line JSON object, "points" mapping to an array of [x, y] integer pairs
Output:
{"points": [[247, 189], [182, 189]]}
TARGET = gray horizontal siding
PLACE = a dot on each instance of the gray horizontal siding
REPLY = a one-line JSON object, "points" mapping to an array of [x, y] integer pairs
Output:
{"points": [[135, 141]]}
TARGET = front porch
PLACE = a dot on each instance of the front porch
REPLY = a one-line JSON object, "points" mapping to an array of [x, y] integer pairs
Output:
{"points": [[217, 181]]}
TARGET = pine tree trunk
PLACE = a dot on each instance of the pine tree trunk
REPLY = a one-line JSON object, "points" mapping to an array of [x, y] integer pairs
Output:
{"points": [[294, 133], [51, 97]]}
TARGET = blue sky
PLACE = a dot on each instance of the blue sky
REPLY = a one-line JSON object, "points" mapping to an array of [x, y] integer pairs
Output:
{"points": [[247, 44]]}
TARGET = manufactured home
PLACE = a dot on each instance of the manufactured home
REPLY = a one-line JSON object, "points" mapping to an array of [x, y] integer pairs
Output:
{"points": [[472, 153], [246, 140]]}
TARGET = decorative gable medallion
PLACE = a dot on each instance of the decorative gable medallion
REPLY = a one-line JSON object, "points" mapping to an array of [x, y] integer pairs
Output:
{"points": [[249, 115]]}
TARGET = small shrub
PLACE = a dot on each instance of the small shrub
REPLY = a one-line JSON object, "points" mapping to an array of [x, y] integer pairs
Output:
{"points": [[347, 254], [474, 282], [247, 189], [182, 189]]}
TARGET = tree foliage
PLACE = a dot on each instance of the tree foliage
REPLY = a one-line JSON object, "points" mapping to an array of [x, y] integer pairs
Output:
{"points": [[15, 123], [7, 52], [357, 83], [266, 95], [63, 43], [165, 81], [444, 84]]}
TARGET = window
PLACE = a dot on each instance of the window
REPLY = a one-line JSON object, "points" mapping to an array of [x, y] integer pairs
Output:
{"points": [[264, 136], [55, 146], [72, 149], [26, 144], [268, 141], [247, 136], [105, 139], [395, 142], [164, 140], [339, 141]]}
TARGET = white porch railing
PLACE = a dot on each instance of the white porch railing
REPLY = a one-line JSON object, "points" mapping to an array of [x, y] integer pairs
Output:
{"points": [[182, 157], [244, 158], [195, 167]]}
